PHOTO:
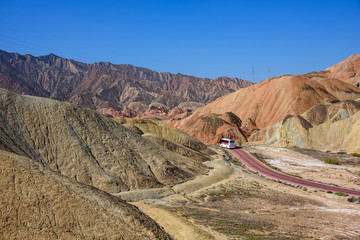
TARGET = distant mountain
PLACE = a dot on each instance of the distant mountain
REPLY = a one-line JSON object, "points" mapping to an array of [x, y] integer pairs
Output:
{"points": [[268, 102], [119, 90]]}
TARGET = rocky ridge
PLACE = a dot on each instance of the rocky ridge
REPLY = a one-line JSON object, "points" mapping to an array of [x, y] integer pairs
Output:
{"points": [[117, 90]]}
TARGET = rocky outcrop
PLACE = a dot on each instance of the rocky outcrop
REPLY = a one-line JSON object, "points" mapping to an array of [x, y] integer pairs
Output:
{"points": [[211, 128], [331, 126], [87, 146], [118, 90], [38, 203]]}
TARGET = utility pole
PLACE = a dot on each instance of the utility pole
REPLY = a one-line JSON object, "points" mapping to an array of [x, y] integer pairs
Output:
{"points": [[253, 73], [269, 71]]}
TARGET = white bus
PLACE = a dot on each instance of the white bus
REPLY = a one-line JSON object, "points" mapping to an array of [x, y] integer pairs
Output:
{"points": [[227, 143]]}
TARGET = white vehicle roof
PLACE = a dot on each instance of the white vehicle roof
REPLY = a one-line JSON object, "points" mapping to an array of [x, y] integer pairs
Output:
{"points": [[228, 139]]}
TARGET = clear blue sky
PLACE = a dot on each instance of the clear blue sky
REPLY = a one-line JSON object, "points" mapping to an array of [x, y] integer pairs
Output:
{"points": [[200, 38]]}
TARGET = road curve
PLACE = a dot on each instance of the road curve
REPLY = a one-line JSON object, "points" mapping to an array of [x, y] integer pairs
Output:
{"points": [[261, 168]]}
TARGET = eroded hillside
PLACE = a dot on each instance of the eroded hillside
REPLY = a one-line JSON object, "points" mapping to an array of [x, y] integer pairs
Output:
{"points": [[38, 203], [87, 146]]}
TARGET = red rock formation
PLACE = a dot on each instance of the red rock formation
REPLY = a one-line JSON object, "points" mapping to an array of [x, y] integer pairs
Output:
{"points": [[108, 88]]}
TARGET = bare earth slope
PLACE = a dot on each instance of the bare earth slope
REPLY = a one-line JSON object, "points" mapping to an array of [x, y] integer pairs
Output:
{"points": [[119, 90], [165, 131], [87, 146], [168, 137], [347, 70], [266, 103], [37, 203], [269, 101]]}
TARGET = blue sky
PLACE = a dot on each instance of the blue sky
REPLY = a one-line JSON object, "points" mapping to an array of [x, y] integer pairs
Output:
{"points": [[198, 37]]}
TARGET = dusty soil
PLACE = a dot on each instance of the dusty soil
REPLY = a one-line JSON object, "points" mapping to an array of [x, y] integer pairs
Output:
{"points": [[344, 157], [309, 164], [231, 202]]}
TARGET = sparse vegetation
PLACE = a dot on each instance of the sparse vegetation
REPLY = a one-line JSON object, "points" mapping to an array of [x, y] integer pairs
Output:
{"points": [[341, 152], [236, 162], [329, 192], [341, 194], [355, 155], [334, 161], [305, 189]]}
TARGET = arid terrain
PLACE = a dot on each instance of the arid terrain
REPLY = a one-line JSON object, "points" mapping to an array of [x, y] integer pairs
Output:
{"points": [[60, 162], [38, 203], [231, 202], [67, 171], [70, 172]]}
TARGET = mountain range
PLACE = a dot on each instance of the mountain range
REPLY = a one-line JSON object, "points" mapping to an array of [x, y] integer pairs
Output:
{"points": [[117, 90]]}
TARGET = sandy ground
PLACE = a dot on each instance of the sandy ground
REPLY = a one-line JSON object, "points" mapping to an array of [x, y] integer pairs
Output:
{"points": [[231, 202], [177, 226]]}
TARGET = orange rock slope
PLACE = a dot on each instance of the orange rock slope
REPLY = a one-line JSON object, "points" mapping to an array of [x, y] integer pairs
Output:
{"points": [[265, 103], [347, 70]]}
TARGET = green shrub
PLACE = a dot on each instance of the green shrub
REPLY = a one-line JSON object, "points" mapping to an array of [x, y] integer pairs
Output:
{"points": [[305, 188], [329, 192], [355, 155], [334, 161], [341, 152], [341, 194]]}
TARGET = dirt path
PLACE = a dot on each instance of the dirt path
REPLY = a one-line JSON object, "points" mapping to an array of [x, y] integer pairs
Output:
{"points": [[177, 226], [220, 170]]}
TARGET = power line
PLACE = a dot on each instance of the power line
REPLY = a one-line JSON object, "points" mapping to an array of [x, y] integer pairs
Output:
{"points": [[31, 47]]}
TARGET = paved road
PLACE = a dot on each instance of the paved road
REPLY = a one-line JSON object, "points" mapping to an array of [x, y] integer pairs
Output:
{"points": [[261, 168]]}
